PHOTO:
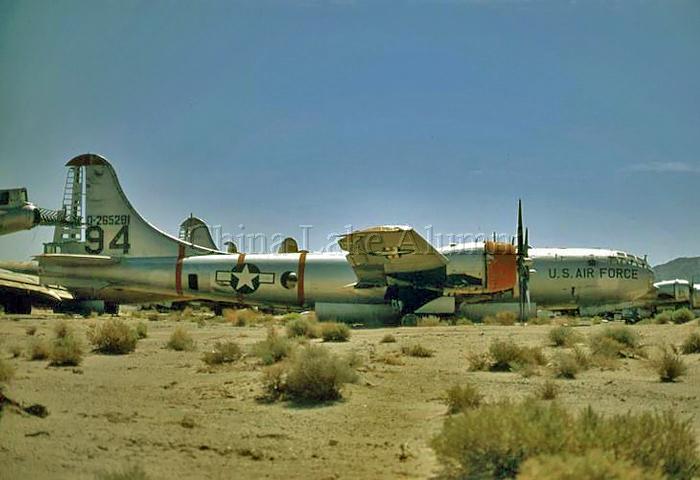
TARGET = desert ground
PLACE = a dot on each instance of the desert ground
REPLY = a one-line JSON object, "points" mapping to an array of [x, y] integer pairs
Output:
{"points": [[176, 417]]}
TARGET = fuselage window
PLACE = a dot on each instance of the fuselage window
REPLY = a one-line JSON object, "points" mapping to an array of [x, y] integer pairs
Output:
{"points": [[193, 281], [289, 280]]}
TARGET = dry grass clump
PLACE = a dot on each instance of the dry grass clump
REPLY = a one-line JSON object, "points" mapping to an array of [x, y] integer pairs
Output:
{"points": [[223, 352], [303, 327], [682, 315], [274, 348], [506, 356], [15, 350], [129, 473], [566, 365], [141, 330], [691, 344], [669, 365], [388, 338], [241, 318], [335, 332], [416, 350], [7, 371], [563, 336], [663, 318], [180, 340], [30, 330], [314, 375], [430, 321], [502, 318], [38, 349], [391, 359], [494, 440], [547, 391], [612, 343], [113, 337], [66, 348], [459, 399], [592, 465]]}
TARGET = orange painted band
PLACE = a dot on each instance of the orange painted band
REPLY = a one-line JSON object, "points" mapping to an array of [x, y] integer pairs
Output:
{"points": [[300, 278], [178, 269]]}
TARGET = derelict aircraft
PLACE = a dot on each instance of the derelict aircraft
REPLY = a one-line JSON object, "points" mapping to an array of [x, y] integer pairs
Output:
{"points": [[386, 272], [18, 292]]}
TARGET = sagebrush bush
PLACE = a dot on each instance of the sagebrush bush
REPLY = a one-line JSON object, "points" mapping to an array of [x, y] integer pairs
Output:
{"points": [[316, 375], [662, 318], [30, 330], [566, 365], [478, 361], [388, 338], [113, 337], [416, 350], [38, 349], [223, 352], [7, 371], [274, 348], [669, 365], [180, 340], [563, 336], [506, 356], [682, 315], [691, 344], [547, 390], [335, 332], [460, 398], [66, 350], [494, 440], [592, 465], [141, 330], [622, 334], [241, 318], [303, 327]]}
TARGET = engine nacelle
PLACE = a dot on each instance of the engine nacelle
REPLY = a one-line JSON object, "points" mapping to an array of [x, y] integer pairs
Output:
{"points": [[17, 218]]}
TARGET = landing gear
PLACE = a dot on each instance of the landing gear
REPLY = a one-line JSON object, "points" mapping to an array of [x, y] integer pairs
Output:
{"points": [[111, 308], [409, 320]]}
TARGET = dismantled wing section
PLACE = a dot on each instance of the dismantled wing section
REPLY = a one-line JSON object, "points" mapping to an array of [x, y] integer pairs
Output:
{"points": [[394, 251], [19, 291]]}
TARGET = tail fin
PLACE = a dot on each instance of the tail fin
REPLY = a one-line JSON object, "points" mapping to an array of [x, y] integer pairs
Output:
{"points": [[111, 224], [194, 230]]}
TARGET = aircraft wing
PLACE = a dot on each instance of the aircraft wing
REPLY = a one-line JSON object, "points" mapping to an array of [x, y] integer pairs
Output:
{"points": [[391, 251], [12, 283]]}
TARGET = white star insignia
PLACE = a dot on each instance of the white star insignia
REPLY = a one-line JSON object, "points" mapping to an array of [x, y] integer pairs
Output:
{"points": [[245, 278]]}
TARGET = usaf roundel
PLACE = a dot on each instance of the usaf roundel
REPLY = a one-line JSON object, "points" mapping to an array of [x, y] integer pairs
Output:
{"points": [[244, 278]]}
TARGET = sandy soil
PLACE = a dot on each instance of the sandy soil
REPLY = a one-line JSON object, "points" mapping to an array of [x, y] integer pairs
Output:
{"points": [[116, 411]]}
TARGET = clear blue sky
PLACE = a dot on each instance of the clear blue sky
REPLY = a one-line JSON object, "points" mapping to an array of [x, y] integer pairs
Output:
{"points": [[275, 114]]}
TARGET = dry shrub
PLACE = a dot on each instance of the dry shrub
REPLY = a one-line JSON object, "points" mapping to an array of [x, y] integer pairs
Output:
{"points": [[506, 356], [430, 321], [223, 352], [7, 371], [274, 348], [563, 336], [691, 344], [180, 340], [129, 473], [539, 320], [62, 329], [494, 440], [30, 330], [66, 348], [459, 399], [566, 365], [113, 337], [547, 391], [303, 327], [141, 330], [683, 315], [38, 349], [502, 318], [335, 332], [479, 361], [662, 318], [416, 350], [621, 334], [241, 318], [314, 375], [669, 365], [592, 465], [388, 338], [391, 359]]}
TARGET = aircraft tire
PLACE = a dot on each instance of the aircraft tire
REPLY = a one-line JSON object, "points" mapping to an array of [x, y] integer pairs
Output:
{"points": [[409, 320]]}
